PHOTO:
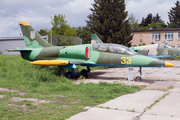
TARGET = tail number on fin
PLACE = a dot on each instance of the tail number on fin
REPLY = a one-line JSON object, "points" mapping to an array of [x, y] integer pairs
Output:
{"points": [[125, 60]]}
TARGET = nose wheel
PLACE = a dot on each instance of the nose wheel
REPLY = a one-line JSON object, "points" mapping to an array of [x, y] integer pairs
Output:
{"points": [[138, 78]]}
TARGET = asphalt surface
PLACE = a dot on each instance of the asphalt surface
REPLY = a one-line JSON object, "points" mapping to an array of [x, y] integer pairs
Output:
{"points": [[160, 100]]}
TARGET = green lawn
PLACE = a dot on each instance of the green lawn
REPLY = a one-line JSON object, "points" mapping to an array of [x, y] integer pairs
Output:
{"points": [[172, 58], [63, 97]]}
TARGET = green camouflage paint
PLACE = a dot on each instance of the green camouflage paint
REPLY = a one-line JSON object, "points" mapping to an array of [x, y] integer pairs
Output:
{"points": [[99, 54]]}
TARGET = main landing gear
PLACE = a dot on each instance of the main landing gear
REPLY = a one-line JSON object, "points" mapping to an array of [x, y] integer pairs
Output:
{"points": [[72, 74], [139, 77], [85, 72]]}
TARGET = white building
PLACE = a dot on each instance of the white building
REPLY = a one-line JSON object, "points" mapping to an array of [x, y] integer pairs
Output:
{"points": [[11, 43]]}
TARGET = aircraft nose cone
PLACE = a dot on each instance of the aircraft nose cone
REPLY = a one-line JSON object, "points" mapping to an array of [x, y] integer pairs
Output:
{"points": [[168, 64]]}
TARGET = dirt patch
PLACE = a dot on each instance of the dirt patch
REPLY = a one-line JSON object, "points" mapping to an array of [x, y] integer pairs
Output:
{"points": [[76, 101], [59, 95], [22, 106], [34, 100], [1, 96], [60, 100], [17, 91]]}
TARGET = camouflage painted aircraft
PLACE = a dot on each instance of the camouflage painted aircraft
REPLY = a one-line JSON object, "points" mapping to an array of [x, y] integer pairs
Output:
{"points": [[160, 50], [39, 52]]}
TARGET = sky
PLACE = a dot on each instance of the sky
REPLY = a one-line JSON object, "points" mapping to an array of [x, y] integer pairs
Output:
{"points": [[38, 12]]}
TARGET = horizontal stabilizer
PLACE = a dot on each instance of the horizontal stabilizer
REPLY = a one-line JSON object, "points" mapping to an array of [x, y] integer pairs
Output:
{"points": [[51, 62], [18, 50]]}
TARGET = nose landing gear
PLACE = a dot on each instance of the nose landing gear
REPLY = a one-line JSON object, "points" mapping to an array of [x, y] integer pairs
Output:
{"points": [[139, 77]]}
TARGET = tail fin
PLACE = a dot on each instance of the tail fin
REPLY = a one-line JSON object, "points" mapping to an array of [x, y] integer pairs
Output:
{"points": [[95, 39], [31, 37]]}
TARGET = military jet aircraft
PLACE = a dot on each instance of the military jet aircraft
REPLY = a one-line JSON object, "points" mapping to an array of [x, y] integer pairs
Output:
{"points": [[39, 52], [160, 50]]}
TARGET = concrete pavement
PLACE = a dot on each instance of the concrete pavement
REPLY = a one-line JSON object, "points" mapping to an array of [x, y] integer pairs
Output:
{"points": [[136, 102], [104, 114], [142, 105], [160, 100]]}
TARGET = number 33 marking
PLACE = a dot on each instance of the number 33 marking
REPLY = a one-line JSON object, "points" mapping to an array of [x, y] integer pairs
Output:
{"points": [[126, 60]]}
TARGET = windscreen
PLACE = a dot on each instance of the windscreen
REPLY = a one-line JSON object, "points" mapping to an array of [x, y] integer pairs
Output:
{"points": [[100, 46], [118, 48]]}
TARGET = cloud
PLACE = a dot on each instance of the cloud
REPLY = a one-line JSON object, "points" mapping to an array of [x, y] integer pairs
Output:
{"points": [[141, 8], [38, 12]]}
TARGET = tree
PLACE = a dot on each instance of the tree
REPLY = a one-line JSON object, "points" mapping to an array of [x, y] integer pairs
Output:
{"points": [[174, 15], [154, 22], [43, 32], [143, 24], [78, 31], [157, 19], [109, 21], [69, 37], [158, 25], [85, 34], [133, 22], [147, 20], [59, 27]]}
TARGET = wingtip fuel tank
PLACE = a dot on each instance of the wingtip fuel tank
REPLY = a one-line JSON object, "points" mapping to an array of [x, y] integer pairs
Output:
{"points": [[51, 62]]}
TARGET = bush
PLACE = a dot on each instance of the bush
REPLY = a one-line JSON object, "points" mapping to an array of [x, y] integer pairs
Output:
{"points": [[143, 44]]}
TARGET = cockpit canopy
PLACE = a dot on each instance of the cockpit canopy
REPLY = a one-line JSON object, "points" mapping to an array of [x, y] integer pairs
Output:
{"points": [[114, 48], [163, 45]]}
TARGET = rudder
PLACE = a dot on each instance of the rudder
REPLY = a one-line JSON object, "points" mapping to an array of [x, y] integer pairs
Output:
{"points": [[31, 37], [95, 39]]}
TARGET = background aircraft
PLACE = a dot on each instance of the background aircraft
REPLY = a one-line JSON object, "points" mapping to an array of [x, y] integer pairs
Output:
{"points": [[39, 52], [160, 50]]}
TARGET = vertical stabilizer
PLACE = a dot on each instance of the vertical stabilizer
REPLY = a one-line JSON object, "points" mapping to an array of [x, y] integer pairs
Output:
{"points": [[31, 37], [95, 39]]}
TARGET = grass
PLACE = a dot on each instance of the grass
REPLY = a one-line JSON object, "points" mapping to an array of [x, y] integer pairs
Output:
{"points": [[158, 100], [172, 58], [49, 84], [131, 110], [171, 87]]}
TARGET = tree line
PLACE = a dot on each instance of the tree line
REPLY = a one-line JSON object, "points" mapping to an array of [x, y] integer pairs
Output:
{"points": [[110, 21]]}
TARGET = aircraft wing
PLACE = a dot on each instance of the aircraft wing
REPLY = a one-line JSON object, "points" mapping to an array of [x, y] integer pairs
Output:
{"points": [[159, 57]]}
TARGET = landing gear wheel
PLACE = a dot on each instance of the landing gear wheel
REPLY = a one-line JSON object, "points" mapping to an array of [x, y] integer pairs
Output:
{"points": [[84, 73], [70, 75], [138, 78]]}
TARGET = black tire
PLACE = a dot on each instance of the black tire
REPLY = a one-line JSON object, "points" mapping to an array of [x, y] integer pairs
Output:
{"points": [[138, 78], [69, 75], [84, 73]]}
